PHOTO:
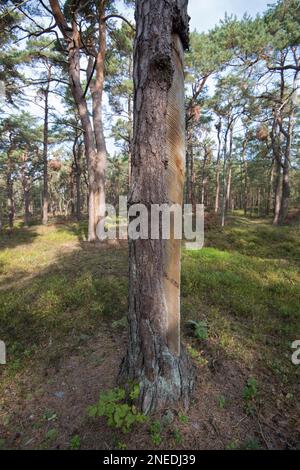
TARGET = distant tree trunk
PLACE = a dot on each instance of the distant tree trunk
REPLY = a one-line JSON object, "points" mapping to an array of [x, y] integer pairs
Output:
{"points": [[277, 191], [130, 123], [276, 148], [45, 150], [270, 190], [192, 180], [284, 208], [217, 199], [245, 165], [188, 166], [94, 141], [204, 176], [26, 190], [97, 161], [154, 358], [229, 177], [77, 149], [10, 191], [224, 178]]}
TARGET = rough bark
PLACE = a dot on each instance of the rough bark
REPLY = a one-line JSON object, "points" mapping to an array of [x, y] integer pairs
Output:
{"points": [[218, 188], [154, 358], [229, 176], [10, 191], [97, 161], [94, 141], [245, 167], [45, 150], [284, 208], [277, 170], [26, 190]]}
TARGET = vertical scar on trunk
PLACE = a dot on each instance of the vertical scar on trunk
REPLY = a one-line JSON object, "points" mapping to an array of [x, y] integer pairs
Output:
{"points": [[175, 153]]}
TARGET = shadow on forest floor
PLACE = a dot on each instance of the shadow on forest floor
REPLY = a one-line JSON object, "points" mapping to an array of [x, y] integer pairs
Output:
{"points": [[65, 335]]}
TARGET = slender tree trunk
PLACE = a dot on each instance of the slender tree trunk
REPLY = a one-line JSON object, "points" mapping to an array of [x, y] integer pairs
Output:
{"points": [[130, 123], [188, 166], [45, 150], [26, 190], [278, 188], [204, 177], [97, 163], [217, 199], [192, 180], [10, 192], [270, 190], [154, 358], [229, 177], [224, 180], [77, 170], [245, 165], [284, 208], [93, 136]]}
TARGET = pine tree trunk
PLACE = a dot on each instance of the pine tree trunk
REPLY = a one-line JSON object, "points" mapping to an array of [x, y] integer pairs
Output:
{"points": [[218, 187], [97, 163], [94, 141], [45, 151], [277, 191], [270, 190], [154, 358], [10, 193], [245, 165], [287, 156], [229, 177]]}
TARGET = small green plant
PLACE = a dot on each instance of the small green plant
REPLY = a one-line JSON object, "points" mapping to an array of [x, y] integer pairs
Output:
{"points": [[222, 401], [249, 394], [177, 435], [2, 443], [200, 329], [49, 415], [184, 419], [75, 442], [232, 445], [121, 446], [51, 434], [155, 432], [112, 405], [251, 444], [250, 390]]}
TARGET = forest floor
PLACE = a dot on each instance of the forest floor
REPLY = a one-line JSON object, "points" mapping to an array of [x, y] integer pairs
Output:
{"points": [[62, 316]]}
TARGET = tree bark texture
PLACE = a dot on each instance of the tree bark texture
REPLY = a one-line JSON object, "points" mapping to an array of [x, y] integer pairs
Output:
{"points": [[154, 358]]}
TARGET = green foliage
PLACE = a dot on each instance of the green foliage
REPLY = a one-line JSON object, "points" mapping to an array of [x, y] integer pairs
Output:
{"points": [[251, 444], [75, 442], [222, 401], [112, 405], [51, 434], [50, 415], [250, 390], [177, 435], [184, 419], [232, 445], [199, 328], [250, 394], [155, 432]]}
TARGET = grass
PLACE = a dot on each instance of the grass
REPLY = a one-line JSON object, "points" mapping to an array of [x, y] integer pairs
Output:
{"points": [[246, 283], [56, 292], [55, 289]]}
